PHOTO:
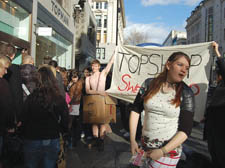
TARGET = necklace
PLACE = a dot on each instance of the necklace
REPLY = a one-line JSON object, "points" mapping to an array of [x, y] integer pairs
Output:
{"points": [[170, 84], [170, 87]]}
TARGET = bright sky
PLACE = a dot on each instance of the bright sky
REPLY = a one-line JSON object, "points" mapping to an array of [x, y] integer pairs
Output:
{"points": [[158, 17]]}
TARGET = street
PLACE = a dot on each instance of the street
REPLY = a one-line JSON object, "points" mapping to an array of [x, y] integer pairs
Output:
{"points": [[117, 151]]}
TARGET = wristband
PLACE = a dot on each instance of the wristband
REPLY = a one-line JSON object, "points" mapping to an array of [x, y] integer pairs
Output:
{"points": [[164, 151]]}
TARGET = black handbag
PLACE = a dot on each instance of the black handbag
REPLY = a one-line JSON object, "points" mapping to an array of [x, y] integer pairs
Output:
{"points": [[13, 148]]}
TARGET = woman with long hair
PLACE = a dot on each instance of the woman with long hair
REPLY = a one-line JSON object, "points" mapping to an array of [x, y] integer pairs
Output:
{"points": [[169, 107], [45, 115], [75, 92]]}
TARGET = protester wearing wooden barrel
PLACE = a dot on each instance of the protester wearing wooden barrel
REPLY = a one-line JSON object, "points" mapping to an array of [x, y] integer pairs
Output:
{"points": [[95, 85]]}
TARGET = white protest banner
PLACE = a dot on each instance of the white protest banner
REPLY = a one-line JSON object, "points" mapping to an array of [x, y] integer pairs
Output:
{"points": [[132, 65]]}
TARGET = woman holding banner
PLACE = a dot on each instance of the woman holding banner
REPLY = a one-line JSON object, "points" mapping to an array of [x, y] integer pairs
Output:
{"points": [[214, 124], [169, 108]]}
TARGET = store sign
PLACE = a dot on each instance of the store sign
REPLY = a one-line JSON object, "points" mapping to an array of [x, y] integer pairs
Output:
{"points": [[58, 11], [44, 31]]}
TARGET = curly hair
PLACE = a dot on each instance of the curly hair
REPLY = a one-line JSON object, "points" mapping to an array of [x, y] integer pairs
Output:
{"points": [[47, 90]]}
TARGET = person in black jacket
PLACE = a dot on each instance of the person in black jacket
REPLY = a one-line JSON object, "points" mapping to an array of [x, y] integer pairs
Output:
{"points": [[6, 102], [14, 79], [215, 115], [44, 116], [169, 109], [28, 75]]}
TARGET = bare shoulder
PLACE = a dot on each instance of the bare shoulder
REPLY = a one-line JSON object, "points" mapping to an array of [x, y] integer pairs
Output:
{"points": [[87, 78]]}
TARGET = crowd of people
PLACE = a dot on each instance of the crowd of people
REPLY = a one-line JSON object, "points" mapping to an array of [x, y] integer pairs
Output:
{"points": [[46, 103]]}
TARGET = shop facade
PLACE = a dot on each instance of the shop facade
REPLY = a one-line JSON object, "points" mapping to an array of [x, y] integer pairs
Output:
{"points": [[59, 46], [15, 24], [16, 28]]}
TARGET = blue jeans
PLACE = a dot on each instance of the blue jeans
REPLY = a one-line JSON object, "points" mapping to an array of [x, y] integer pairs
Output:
{"points": [[1, 144], [41, 153]]}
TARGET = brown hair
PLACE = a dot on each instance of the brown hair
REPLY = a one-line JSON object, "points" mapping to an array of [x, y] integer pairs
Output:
{"points": [[4, 60], [95, 62], [157, 82], [7, 49]]}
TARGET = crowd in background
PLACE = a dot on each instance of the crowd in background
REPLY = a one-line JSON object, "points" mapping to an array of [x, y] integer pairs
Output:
{"points": [[41, 103]]}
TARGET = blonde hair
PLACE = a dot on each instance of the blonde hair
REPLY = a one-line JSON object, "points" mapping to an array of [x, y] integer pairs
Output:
{"points": [[27, 59], [4, 60]]}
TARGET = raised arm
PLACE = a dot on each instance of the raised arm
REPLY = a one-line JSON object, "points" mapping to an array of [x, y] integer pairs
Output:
{"points": [[110, 63], [220, 61], [216, 48]]}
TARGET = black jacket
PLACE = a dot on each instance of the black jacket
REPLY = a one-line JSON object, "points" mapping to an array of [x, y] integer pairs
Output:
{"points": [[29, 78], [13, 77], [187, 106], [42, 123], [6, 105]]}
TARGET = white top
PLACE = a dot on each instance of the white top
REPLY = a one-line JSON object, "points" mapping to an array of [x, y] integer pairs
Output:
{"points": [[161, 117]]}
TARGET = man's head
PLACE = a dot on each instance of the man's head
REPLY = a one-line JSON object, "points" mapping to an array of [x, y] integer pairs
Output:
{"points": [[8, 50], [95, 65], [27, 59], [53, 63]]}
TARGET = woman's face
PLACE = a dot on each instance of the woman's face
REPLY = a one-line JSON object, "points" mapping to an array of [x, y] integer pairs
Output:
{"points": [[3, 70], [177, 70], [86, 73], [75, 79]]}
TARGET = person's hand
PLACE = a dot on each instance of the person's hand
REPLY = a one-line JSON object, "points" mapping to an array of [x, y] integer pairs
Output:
{"points": [[155, 154], [19, 124], [134, 147], [103, 93], [11, 130], [216, 48]]}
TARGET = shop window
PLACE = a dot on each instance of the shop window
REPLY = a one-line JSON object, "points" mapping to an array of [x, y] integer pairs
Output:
{"points": [[14, 20], [54, 47]]}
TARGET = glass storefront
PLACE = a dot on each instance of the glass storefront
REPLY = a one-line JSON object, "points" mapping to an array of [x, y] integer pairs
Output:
{"points": [[14, 20], [53, 47]]}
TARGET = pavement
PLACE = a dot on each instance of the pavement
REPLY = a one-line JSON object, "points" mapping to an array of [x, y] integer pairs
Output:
{"points": [[117, 150]]}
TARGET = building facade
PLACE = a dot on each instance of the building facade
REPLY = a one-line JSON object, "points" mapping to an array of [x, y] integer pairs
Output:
{"points": [[175, 38], [207, 23], [85, 34], [20, 21], [110, 18]]}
